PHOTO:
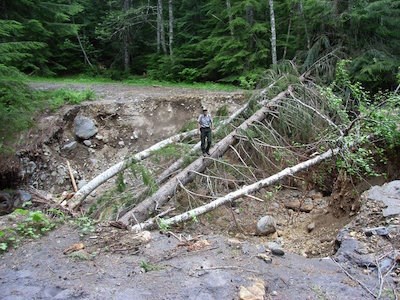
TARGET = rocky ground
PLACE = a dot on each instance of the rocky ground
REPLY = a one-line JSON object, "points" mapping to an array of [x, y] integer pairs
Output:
{"points": [[315, 253]]}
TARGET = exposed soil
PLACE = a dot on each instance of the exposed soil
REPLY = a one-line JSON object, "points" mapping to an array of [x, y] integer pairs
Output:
{"points": [[212, 257]]}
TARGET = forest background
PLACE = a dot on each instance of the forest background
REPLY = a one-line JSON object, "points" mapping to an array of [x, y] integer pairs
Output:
{"points": [[229, 41]]}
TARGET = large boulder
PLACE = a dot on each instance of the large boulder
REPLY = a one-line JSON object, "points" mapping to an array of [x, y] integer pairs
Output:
{"points": [[85, 127]]}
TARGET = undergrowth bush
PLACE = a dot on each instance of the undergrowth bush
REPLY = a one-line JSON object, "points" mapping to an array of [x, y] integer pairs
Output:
{"points": [[19, 104], [28, 224]]}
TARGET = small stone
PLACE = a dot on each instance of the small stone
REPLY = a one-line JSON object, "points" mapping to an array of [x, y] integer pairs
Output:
{"points": [[297, 205], [311, 227], [121, 143], [70, 146], [274, 293], [254, 292], [87, 143], [265, 258], [278, 252]]}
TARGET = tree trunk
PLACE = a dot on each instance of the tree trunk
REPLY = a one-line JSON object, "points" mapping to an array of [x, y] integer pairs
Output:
{"points": [[273, 32], [158, 29], [305, 25], [80, 196], [151, 223], [229, 10], [160, 25], [125, 47], [142, 211], [171, 26], [287, 36]]}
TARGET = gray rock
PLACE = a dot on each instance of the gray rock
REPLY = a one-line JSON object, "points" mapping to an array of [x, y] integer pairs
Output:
{"points": [[30, 167], [311, 227], [24, 196], [388, 194], [278, 252], [266, 225], [87, 143], [84, 127], [70, 146], [275, 248], [61, 171], [382, 231]]}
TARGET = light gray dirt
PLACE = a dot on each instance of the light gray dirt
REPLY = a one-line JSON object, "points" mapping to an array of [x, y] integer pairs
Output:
{"points": [[40, 270]]}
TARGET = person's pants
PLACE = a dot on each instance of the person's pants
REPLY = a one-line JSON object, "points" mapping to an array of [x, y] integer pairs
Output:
{"points": [[205, 135]]}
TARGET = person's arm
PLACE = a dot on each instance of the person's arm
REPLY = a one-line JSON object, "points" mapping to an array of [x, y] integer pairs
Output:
{"points": [[198, 123]]}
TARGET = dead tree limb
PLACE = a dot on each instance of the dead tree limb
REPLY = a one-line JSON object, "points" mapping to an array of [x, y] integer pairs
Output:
{"points": [[179, 163], [80, 195], [143, 210], [239, 193]]}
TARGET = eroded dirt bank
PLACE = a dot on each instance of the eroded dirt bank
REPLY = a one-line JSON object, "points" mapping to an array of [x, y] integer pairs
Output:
{"points": [[214, 257]]}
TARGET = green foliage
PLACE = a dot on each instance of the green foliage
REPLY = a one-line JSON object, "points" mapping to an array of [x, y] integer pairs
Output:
{"points": [[34, 224], [188, 126], [147, 267], [121, 185], [172, 151], [222, 111], [85, 225], [60, 97], [162, 225], [376, 119], [359, 163], [19, 103], [147, 178], [28, 224], [16, 108], [39, 29], [211, 41]]}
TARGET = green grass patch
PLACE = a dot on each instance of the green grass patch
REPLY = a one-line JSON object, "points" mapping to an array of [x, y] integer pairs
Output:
{"points": [[55, 99], [19, 104], [135, 81]]}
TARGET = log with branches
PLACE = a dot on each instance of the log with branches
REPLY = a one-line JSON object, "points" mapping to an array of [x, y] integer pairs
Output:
{"points": [[144, 209], [151, 223], [80, 195]]}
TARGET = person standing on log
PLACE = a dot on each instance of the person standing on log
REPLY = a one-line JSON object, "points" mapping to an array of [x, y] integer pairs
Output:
{"points": [[205, 126]]}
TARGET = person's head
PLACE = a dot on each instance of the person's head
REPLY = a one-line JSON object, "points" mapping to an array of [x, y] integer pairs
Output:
{"points": [[205, 111]]}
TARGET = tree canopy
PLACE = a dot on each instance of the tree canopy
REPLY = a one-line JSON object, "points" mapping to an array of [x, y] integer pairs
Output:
{"points": [[225, 41]]}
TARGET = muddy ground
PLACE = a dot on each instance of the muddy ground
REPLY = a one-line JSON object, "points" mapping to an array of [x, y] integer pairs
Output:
{"points": [[326, 255]]}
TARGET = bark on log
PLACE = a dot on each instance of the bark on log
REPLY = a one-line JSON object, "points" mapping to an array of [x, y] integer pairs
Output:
{"points": [[142, 211], [80, 195], [151, 223]]}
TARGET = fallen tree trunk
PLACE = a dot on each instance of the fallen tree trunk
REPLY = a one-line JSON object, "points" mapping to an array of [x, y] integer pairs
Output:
{"points": [[179, 163], [80, 195], [142, 211], [151, 223]]}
